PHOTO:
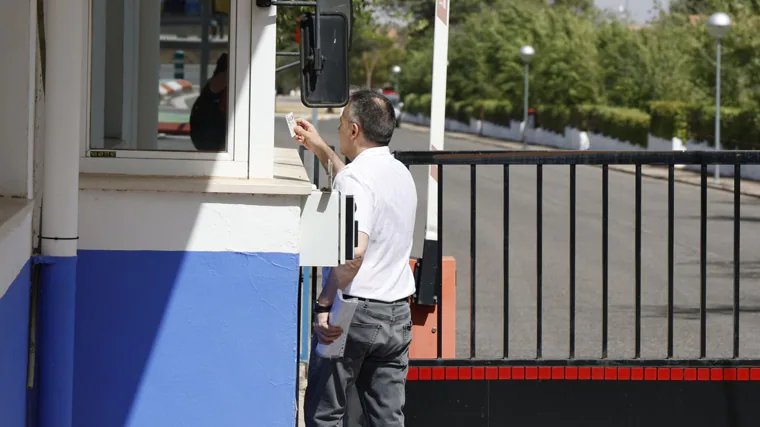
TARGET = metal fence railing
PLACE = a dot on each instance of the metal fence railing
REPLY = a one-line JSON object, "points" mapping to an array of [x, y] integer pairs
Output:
{"points": [[505, 159]]}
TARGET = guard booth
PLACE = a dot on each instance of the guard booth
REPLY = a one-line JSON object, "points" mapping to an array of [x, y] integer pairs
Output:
{"points": [[149, 269], [508, 388]]}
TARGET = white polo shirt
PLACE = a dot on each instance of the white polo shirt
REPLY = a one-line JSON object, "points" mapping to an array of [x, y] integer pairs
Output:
{"points": [[386, 206]]}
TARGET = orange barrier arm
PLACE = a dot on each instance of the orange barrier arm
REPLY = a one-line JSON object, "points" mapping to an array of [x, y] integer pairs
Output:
{"points": [[425, 318]]}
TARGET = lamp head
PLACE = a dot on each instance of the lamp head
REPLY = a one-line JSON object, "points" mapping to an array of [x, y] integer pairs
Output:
{"points": [[527, 53], [718, 25]]}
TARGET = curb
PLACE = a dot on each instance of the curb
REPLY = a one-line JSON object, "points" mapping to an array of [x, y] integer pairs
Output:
{"points": [[726, 182]]}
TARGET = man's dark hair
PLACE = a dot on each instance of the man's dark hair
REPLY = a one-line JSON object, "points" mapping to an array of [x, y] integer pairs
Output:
{"points": [[374, 113]]}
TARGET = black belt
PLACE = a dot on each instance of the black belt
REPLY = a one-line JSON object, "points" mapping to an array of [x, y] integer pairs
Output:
{"points": [[406, 299]]}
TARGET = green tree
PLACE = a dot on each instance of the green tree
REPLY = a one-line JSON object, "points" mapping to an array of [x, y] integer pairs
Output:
{"points": [[707, 7], [578, 6], [421, 14], [416, 69], [739, 81], [372, 55], [486, 53], [623, 68]]}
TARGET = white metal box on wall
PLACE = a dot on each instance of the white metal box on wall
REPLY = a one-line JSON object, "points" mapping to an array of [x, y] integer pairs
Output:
{"points": [[328, 232]]}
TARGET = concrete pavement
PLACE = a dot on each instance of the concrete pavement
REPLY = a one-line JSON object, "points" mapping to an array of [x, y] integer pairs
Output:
{"points": [[522, 260]]}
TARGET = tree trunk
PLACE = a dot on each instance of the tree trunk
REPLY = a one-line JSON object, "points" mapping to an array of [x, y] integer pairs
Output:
{"points": [[370, 62]]}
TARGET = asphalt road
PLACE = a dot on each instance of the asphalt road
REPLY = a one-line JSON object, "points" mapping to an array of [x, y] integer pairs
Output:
{"points": [[556, 251]]}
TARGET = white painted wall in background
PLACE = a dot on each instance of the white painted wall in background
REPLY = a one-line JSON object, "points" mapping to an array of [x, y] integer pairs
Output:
{"points": [[573, 139]]}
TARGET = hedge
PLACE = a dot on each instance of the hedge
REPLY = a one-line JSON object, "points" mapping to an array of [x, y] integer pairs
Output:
{"points": [[740, 129], [553, 117], [624, 124], [669, 119]]}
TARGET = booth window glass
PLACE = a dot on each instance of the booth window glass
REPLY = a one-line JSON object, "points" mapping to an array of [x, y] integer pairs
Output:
{"points": [[160, 75]]}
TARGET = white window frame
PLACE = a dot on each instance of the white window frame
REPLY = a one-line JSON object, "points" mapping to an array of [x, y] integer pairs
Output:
{"points": [[233, 163]]}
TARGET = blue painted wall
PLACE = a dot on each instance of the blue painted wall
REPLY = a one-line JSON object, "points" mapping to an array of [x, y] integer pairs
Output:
{"points": [[185, 338], [14, 341]]}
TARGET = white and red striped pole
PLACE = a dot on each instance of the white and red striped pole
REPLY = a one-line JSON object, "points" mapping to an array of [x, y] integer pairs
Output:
{"points": [[431, 263], [437, 110]]}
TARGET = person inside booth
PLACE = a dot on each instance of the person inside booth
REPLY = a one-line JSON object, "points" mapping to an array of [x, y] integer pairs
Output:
{"points": [[208, 117]]}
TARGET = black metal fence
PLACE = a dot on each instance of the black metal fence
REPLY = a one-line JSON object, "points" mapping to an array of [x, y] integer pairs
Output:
{"points": [[572, 159]]}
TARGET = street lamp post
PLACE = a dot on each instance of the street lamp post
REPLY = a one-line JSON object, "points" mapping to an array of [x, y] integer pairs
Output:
{"points": [[396, 70], [526, 54], [718, 26]]}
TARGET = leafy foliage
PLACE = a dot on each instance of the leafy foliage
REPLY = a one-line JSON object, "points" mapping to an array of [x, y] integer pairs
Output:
{"points": [[597, 71], [592, 70], [372, 54]]}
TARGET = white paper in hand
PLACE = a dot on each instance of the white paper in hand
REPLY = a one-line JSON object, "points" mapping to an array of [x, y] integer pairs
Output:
{"points": [[341, 314], [290, 118]]}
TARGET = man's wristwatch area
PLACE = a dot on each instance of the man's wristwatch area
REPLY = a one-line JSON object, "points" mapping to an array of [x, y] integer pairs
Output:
{"points": [[321, 308]]}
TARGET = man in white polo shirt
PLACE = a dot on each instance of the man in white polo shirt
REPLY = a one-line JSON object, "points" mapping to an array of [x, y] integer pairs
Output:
{"points": [[377, 344]]}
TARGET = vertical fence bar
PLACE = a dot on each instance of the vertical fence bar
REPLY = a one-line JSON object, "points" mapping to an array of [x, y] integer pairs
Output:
{"points": [[539, 261], [703, 266], [473, 206], [671, 257], [737, 249], [439, 299], [314, 291], [313, 275], [605, 255], [572, 262], [300, 317], [305, 314], [506, 261], [638, 261]]}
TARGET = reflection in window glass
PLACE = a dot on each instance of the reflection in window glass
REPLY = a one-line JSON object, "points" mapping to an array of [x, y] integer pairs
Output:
{"points": [[193, 80], [178, 51]]}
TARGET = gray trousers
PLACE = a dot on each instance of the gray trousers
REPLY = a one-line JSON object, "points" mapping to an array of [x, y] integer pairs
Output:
{"points": [[375, 360]]}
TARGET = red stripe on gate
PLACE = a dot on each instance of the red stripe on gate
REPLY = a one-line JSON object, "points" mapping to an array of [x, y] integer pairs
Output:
{"points": [[558, 373], [492, 373], [742, 374], [571, 373], [597, 373], [676, 374], [465, 373], [478, 373], [439, 374], [531, 373], [426, 373], [451, 373], [754, 374], [610, 374], [624, 373], [544, 373], [593, 373], [729, 374]]}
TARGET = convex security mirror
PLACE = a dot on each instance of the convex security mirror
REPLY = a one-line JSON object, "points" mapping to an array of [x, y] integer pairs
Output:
{"points": [[325, 39], [324, 60], [344, 7]]}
